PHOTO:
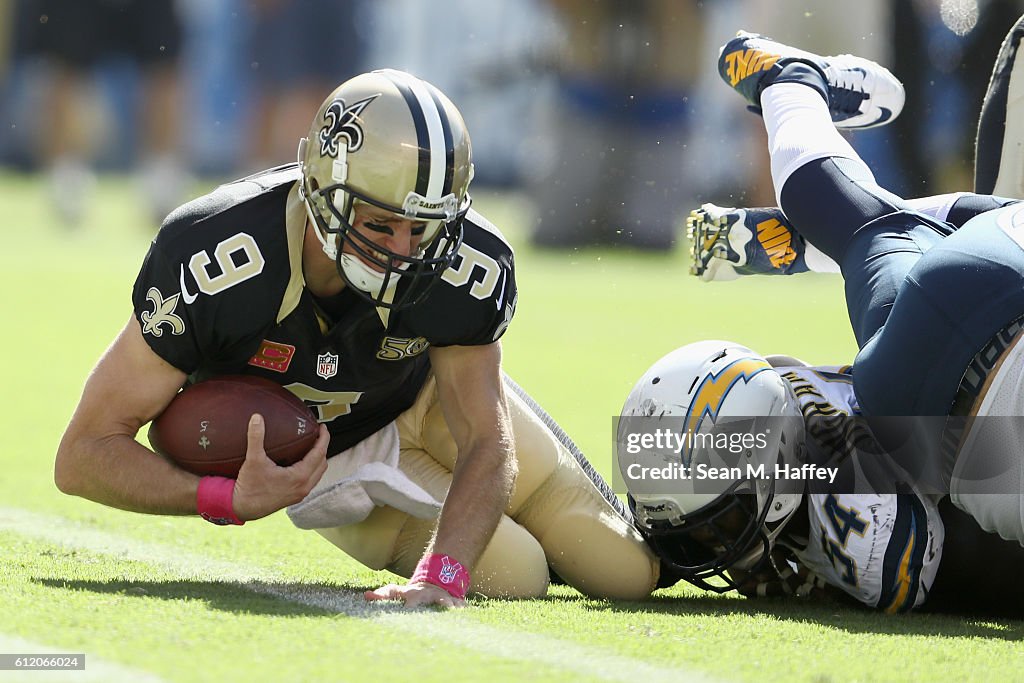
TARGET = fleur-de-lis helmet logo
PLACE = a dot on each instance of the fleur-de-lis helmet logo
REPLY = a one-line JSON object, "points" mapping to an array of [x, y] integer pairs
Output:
{"points": [[342, 122]]}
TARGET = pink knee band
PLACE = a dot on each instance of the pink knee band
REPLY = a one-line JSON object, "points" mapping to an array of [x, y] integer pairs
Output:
{"points": [[442, 571]]}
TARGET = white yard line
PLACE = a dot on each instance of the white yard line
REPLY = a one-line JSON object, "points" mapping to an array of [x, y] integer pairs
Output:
{"points": [[96, 669], [456, 628]]}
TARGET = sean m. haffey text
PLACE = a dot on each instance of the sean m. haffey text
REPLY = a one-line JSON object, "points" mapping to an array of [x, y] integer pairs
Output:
{"points": [[663, 440]]}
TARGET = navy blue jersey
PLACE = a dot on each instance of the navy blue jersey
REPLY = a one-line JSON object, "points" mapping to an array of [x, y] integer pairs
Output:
{"points": [[221, 291]]}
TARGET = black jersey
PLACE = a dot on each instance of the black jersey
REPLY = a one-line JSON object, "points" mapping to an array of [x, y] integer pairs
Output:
{"points": [[221, 291]]}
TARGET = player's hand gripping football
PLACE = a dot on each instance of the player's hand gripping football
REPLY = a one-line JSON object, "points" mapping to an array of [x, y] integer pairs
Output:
{"points": [[264, 487]]}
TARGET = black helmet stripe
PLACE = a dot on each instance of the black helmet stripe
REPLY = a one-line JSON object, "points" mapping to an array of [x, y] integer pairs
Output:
{"points": [[422, 137], [433, 134]]}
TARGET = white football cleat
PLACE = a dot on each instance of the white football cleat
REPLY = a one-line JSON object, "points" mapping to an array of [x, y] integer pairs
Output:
{"points": [[860, 93]]}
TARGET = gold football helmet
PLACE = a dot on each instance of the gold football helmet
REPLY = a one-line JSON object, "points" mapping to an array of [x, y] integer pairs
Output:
{"points": [[396, 142]]}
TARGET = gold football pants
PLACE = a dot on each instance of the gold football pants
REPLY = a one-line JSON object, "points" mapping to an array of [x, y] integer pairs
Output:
{"points": [[557, 516]]}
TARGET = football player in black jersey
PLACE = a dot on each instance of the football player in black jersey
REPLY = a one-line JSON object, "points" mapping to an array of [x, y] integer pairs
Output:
{"points": [[362, 281]]}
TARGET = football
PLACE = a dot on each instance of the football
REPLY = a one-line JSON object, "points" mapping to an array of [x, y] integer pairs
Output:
{"points": [[203, 429]]}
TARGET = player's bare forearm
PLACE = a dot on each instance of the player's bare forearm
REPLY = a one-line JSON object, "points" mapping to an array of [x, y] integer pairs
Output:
{"points": [[473, 400], [98, 457], [472, 397], [480, 490], [119, 472]]}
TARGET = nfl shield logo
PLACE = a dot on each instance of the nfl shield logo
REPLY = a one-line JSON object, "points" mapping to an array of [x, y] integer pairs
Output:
{"points": [[327, 365]]}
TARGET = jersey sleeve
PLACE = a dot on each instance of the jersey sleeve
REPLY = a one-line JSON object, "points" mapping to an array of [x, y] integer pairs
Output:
{"points": [[212, 280], [164, 318], [883, 550]]}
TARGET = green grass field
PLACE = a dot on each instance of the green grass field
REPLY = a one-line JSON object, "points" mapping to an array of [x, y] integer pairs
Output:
{"points": [[177, 599]]}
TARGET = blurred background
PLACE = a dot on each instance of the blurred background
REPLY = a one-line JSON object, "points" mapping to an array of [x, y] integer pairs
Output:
{"points": [[597, 124], [606, 116]]}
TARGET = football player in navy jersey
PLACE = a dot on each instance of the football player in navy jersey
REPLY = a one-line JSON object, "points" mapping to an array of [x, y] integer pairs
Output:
{"points": [[868, 534], [361, 280], [879, 543], [935, 294], [936, 310]]}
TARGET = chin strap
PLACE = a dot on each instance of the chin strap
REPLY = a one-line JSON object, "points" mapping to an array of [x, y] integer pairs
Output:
{"points": [[330, 247], [364, 277]]}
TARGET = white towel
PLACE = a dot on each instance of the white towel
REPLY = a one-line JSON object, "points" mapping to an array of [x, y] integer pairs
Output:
{"points": [[359, 479]]}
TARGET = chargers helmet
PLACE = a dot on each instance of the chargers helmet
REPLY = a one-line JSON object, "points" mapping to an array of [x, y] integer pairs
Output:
{"points": [[396, 142], [702, 528]]}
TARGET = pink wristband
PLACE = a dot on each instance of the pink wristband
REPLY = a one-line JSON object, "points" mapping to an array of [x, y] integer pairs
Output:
{"points": [[214, 501], [442, 571]]}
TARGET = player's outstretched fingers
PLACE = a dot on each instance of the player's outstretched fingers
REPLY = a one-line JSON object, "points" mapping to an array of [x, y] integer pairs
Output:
{"points": [[415, 595], [388, 592]]}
